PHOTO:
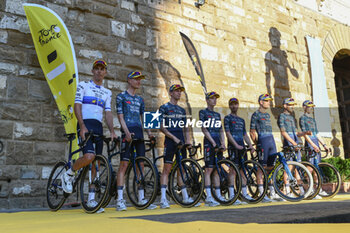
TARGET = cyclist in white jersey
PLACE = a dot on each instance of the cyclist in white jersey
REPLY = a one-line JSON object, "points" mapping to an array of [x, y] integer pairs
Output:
{"points": [[91, 100]]}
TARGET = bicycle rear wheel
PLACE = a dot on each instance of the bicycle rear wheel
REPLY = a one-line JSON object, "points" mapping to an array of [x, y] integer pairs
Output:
{"points": [[55, 195], [97, 180], [331, 180], [251, 172], [228, 175], [317, 179], [145, 179], [300, 181], [112, 191], [187, 178]]}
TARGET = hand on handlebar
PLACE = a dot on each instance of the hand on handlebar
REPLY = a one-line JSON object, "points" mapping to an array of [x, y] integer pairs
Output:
{"points": [[129, 136], [83, 131]]}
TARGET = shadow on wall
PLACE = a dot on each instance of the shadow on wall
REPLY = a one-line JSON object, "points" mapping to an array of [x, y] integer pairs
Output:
{"points": [[335, 142], [277, 65], [172, 76]]}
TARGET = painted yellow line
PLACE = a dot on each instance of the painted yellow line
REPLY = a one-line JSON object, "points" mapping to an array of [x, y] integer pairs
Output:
{"points": [[110, 221]]}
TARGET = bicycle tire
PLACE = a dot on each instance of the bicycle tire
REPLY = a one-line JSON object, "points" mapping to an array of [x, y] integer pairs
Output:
{"points": [[193, 179], [112, 190], [278, 181], [224, 165], [54, 190], [148, 182], [250, 175], [317, 182], [329, 173], [101, 182]]}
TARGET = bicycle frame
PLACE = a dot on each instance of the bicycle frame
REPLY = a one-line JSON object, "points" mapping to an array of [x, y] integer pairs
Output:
{"points": [[281, 160]]}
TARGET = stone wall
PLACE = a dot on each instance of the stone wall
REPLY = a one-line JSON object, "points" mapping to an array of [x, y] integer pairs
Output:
{"points": [[231, 37]]}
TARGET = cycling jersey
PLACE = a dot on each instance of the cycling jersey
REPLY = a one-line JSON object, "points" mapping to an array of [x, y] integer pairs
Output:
{"points": [[132, 107], [287, 122], [308, 123], [213, 118], [236, 126], [94, 100], [170, 118], [261, 122]]}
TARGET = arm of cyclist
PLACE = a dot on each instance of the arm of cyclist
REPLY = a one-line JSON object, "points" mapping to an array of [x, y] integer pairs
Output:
{"points": [[314, 146], [208, 136], [79, 116], [233, 141], [253, 136], [109, 121], [187, 137], [320, 139], [222, 139], [169, 135], [250, 145], [287, 137], [124, 127]]}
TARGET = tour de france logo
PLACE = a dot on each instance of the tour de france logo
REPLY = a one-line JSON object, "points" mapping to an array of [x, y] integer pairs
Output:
{"points": [[47, 35]]}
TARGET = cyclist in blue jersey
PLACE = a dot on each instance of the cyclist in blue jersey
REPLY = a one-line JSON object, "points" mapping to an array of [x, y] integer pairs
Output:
{"points": [[308, 123], [91, 100], [236, 136], [171, 115], [213, 137], [130, 108], [287, 125], [261, 134]]}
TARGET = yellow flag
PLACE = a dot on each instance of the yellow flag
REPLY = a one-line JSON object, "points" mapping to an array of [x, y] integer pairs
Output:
{"points": [[55, 51]]}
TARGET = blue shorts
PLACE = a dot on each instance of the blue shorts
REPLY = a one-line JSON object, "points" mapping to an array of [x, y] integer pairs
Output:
{"points": [[126, 151], [236, 155], [209, 153], [269, 150], [170, 149], [287, 143], [317, 158], [95, 145]]}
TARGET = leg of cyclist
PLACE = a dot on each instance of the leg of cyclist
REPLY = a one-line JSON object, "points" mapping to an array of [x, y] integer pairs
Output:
{"points": [[169, 152], [209, 164]]}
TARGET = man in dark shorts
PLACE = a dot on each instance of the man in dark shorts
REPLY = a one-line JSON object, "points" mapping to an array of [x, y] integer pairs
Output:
{"points": [[213, 138], [261, 134], [91, 100], [236, 135], [130, 108], [172, 112]]}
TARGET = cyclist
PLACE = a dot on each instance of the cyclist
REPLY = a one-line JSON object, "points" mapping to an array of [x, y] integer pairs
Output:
{"points": [[236, 135], [130, 108], [172, 112], [213, 138], [287, 125], [91, 100], [261, 134], [308, 123]]}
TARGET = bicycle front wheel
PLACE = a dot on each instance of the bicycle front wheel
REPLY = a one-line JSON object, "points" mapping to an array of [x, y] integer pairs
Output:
{"points": [[141, 188], [331, 180], [186, 183], [95, 180], [297, 177], [317, 179], [227, 176], [55, 195], [251, 173]]}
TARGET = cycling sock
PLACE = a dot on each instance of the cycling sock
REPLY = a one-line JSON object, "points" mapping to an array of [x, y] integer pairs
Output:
{"points": [[287, 188], [184, 193], [244, 190], [120, 192], [261, 188], [208, 190], [217, 192], [91, 196], [231, 191], [70, 172], [163, 192], [141, 194], [272, 190]]}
